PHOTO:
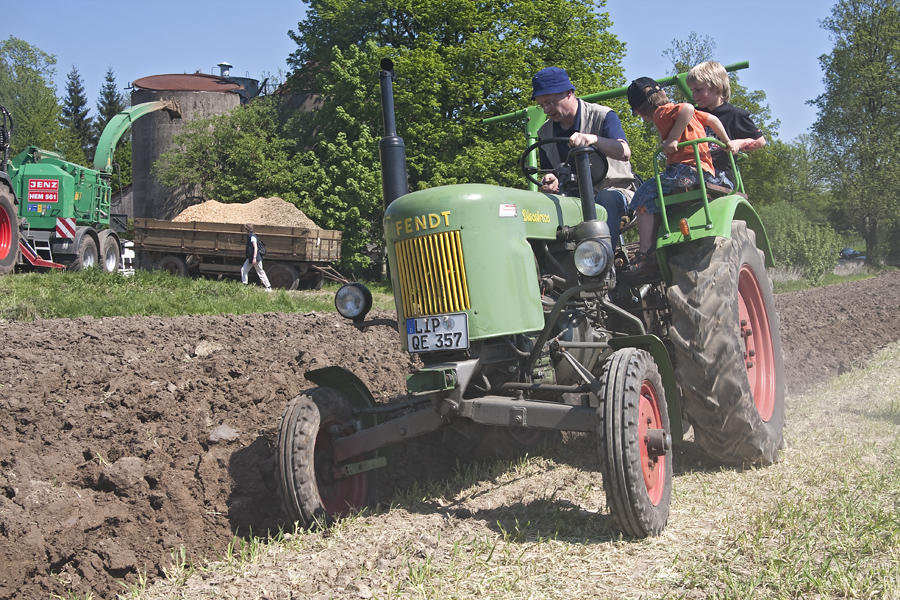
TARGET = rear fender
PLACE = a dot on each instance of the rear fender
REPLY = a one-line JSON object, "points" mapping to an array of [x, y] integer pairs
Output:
{"points": [[722, 212], [654, 346]]}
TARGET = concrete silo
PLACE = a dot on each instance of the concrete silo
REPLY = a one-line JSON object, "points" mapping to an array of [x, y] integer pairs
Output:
{"points": [[199, 96]]}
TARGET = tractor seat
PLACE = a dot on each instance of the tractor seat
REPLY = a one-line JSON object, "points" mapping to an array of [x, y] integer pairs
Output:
{"points": [[693, 193]]}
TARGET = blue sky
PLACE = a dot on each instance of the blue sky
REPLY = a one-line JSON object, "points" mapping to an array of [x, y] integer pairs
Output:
{"points": [[781, 39]]}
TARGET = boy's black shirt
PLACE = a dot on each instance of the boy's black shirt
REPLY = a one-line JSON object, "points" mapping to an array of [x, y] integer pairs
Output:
{"points": [[738, 125]]}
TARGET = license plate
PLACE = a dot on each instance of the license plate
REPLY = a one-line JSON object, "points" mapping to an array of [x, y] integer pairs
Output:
{"points": [[440, 332]]}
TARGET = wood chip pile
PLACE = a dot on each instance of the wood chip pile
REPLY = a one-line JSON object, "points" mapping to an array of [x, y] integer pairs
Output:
{"points": [[262, 211]]}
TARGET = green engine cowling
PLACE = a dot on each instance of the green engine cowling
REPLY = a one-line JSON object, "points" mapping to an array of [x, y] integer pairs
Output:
{"points": [[465, 249]]}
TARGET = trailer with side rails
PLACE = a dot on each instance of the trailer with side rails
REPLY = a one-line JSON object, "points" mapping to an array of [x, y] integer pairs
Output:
{"points": [[296, 257]]}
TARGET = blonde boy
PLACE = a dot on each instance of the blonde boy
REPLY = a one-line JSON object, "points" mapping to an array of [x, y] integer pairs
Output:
{"points": [[676, 123], [711, 89]]}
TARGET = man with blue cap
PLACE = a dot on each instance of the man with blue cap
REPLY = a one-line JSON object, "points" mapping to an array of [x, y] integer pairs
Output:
{"points": [[585, 124]]}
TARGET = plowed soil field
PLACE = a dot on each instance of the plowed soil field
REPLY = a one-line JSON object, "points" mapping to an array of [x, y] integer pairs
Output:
{"points": [[123, 438]]}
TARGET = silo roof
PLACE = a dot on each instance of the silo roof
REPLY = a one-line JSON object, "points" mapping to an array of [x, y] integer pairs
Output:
{"points": [[193, 82]]}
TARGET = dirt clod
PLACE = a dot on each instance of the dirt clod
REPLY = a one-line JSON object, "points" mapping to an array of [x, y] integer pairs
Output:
{"points": [[124, 439]]}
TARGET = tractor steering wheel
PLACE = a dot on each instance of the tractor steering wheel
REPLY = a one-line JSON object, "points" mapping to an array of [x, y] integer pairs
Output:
{"points": [[599, 164]]}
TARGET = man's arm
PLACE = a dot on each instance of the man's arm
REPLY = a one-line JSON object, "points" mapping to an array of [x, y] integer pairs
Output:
{"points": [[614, 149]]}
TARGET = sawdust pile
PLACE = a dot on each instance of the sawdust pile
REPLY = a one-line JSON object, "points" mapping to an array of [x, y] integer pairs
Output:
{"points": [[262, 211]]}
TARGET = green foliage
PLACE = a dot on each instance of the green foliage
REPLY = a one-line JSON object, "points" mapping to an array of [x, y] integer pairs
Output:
{"points": [[858, 124], [456, 63], [75, 116], [797, 242], [27, 91]]}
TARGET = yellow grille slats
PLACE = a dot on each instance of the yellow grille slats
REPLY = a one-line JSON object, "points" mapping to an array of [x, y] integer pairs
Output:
{"points": [[432, 274]]}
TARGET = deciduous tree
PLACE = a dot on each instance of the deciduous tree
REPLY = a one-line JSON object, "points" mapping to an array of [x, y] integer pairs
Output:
{"points": [[858, 123], [27, 91]]}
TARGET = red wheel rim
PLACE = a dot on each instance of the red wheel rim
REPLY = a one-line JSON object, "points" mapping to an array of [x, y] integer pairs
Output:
{"points": [[654, 468], [759, 355], [339, 494], [5, 235]]}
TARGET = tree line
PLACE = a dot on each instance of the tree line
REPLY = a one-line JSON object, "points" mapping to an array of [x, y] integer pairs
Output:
{"points": [[62, 125], [460, 61]]}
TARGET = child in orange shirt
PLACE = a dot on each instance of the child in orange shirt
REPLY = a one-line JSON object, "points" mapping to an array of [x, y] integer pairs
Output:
{"points": [[676, 123]]}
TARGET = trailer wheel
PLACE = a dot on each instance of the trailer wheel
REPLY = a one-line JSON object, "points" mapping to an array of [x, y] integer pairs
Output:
{"points": [[283, 275], [635, 443], [727, 346], [9, 232], [313, 486], [110, 254], [87, 255], [312, 281], [174, 265]]}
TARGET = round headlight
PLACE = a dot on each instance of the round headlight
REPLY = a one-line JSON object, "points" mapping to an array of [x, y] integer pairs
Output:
{"points": [[592, 257], [353, 301]]}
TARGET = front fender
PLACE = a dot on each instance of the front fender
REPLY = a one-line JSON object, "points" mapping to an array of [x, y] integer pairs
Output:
{"points": [[346, 382], [654, 346]]}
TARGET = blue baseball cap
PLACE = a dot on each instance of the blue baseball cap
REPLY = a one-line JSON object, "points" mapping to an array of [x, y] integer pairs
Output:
{"points": [[551, 80]]}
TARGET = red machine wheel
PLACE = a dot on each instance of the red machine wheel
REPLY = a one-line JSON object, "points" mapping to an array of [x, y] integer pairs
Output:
{"points": [[312, 483], [9, 232], [635, 443]]}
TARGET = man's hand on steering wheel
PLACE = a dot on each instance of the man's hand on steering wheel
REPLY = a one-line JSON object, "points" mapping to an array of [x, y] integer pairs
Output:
{"points": [[582, 139], [549, 181], [549, 184]]}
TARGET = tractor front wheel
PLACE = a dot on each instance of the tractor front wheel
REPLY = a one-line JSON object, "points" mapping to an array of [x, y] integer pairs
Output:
{"points": [[313, 484], [727, 346], [635, 443]]}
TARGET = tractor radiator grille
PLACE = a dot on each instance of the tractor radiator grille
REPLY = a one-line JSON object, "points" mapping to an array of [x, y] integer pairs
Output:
{"points": [[432, 275]]}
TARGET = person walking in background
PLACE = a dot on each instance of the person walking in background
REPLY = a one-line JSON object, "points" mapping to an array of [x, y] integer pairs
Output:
{"points": [[253, 258]]}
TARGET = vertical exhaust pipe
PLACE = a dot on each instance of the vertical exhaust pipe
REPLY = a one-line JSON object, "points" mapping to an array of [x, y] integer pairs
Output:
{"points": [[391, 148]]}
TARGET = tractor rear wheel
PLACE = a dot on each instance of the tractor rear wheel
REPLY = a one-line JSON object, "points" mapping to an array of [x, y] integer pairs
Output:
{"points": [[727, 346], [9, 232], [313, 485], [635, 443]]}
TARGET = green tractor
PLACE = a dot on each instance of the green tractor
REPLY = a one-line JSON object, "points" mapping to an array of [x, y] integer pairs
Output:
{"points": [[511, 300]]}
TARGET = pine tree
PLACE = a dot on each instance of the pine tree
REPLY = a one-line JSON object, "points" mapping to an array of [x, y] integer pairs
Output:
{"points": [[75, 113], [110, 103]]}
